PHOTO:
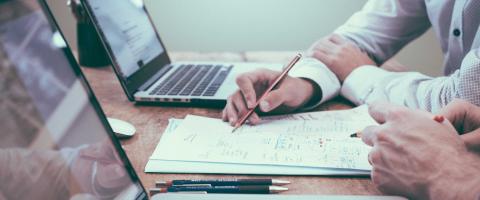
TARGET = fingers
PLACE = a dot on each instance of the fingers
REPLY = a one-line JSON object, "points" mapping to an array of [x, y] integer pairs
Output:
{"points": [[246, 84], [384, 111], [378, 111], [472, 140], [241, 107], [230, 112], [375, 156], [326, 46], [373, 135], [251, 85], [377, 161], [239, 103], [254, 119], [382, 180], [337, 39], [251, 81], [274, 99], [111, 175], [224, 113], [323, 50], [369, 135], [322, 56], [236, 108], [456, 112]]}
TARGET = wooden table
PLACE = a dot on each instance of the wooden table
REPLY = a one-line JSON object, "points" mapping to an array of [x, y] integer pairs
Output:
{"points": [[150, 122]]}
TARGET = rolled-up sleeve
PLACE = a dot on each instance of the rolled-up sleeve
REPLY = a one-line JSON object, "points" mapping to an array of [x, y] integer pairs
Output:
{"points": [[383, 27], [380, 29], [412, 89], [314, 70]]}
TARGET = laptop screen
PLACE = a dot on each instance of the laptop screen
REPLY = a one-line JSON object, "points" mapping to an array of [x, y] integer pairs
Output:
{"points": [[55, 143], [128, 32]]}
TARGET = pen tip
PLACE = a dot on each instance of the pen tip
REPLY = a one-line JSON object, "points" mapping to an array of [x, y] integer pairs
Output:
{"points": [[356, 135], [234, 129], [154, 191], [162, 183], [277, 189], [280, 182]]}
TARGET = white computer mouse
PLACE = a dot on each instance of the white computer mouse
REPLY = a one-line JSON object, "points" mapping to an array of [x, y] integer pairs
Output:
{"points": [[121, 128]]}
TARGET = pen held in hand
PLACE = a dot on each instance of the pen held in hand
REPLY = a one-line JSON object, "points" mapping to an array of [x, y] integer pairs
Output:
{"points": [[264, 95], [437, 118], [356, 135]]}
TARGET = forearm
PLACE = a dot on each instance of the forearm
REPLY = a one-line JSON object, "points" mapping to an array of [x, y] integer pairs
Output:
{"points": [[368, 84], [382, 27], [42, 173]]}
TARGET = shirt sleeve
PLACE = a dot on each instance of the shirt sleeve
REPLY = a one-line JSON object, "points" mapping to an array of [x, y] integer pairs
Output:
{"points": [[369, 83], [383, 27], [314, 70]]}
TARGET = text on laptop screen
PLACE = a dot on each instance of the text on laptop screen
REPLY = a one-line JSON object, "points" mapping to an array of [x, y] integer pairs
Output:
{"points": [[127, 29], [53, 143]]}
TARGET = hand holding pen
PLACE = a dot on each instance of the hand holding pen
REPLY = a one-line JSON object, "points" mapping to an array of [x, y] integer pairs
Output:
{"points": [[291, 94], [272, 86]]}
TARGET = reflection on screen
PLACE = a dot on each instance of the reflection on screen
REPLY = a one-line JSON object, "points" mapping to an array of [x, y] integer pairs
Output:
{"points": [[128, 31], [53, 144]]}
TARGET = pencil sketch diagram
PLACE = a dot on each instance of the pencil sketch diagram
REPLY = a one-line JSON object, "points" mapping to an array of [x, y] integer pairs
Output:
{"points": [[306, 116], [327, 127], [277, 149]]}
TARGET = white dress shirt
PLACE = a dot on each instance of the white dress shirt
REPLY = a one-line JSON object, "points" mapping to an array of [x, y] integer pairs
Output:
{"points": [[384, 27]]}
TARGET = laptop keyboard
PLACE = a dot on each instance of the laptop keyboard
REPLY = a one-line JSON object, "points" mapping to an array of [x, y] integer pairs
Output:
{"points": [[193, 80]]}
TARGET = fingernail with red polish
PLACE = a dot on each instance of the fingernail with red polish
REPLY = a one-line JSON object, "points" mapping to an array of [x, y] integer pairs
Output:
{"points": [[439, 118]]}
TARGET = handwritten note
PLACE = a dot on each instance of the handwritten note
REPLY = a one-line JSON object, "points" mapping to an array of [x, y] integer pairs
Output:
{"points": [[317, 139]]}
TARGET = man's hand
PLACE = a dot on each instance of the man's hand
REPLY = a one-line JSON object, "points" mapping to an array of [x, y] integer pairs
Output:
{"points": [[340, 55], [291, 94], [466, 119], [99, 164], [415, 156]]}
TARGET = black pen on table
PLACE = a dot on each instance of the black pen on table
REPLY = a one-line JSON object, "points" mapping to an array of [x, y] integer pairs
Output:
{"points": [[270, 88], [242, 189], [223, 182]]}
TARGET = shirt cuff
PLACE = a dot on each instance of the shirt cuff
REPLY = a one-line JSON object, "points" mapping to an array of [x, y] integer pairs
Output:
{"points": [[316, 71], [361, 83]]}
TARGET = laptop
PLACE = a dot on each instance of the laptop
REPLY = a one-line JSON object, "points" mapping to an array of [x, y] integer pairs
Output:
{"points": [[143, 67], [56, 141]]}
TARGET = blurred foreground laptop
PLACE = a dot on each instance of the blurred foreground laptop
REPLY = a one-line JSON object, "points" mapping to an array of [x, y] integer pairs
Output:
{"points": [[143, 66], [55, 140]]}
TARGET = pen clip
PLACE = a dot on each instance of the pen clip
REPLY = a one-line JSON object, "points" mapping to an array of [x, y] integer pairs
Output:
{"points": [[193, 185], [193, 192]]}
